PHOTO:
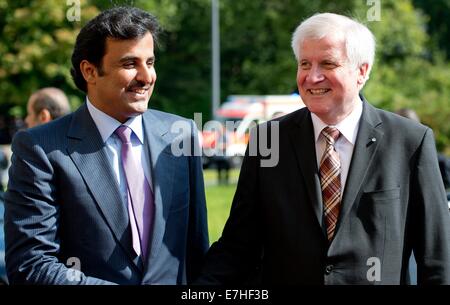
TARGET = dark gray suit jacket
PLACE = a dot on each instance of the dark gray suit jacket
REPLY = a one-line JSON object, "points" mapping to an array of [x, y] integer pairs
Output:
{"points": [[63, 207], [393, 202]]}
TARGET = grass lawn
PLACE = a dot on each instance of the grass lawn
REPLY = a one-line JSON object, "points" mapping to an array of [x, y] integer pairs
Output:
{"points": [[218, 200]]}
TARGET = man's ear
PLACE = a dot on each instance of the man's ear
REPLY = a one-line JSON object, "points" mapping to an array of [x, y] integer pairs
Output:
{"points": [[362, 74], [89, 71], [44, 116]]}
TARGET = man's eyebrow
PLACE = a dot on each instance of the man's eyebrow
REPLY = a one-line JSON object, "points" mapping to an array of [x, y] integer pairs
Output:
{"points": [[130, 58], [330, 59], [127, 58]]}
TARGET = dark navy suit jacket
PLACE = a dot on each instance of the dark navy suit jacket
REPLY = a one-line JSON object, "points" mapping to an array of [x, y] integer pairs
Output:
{"points": [[63, 207]]}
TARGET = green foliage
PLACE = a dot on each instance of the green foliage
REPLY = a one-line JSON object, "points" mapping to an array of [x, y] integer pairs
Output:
{"points": [[407, 73], [184, 58], [419, 85], [400, 32], [438, 25], [36, 46]]}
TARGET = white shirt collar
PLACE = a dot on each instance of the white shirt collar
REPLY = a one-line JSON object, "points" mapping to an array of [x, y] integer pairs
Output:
{"points": [[347, 127], [107, 125]]}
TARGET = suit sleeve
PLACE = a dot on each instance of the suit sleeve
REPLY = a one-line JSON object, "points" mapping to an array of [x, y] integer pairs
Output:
{"points": [[432, 234], [198, 240], [32, 220], [235, 257]]}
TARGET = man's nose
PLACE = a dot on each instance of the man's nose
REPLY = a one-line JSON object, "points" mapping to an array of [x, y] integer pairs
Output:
{"points": [[315, 74], [146, 74]]}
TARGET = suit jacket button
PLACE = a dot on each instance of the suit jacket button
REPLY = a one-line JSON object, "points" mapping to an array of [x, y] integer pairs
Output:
{"points": [[328, 269]]}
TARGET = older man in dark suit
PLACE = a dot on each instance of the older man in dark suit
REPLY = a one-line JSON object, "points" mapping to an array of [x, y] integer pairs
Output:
{"points": [[99, 196], [356, 189]]}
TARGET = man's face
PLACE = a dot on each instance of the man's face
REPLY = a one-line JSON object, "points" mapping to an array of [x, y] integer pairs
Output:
{"points": [[328, 84], [126, 83], [32, 118]]}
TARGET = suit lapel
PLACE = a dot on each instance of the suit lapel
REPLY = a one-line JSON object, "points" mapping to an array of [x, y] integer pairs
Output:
{"points": [[367, 143], [158, 147], [302, 138], [88, 152]]}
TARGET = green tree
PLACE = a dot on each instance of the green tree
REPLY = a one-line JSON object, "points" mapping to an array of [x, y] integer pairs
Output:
{"points": [[184, 57], [438, 25], [36, 45], [407, 72]]}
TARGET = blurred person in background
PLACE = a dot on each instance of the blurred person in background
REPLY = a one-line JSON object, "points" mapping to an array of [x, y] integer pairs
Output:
{"points": [[3, 166], [444, 161], [46, 105]]}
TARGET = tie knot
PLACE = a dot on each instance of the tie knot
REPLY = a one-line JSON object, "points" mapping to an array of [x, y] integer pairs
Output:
{"points": [[124, 133], [331, 134]]}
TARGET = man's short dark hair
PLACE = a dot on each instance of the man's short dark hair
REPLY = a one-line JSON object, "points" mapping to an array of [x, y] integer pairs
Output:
{"points": [[118, 23]]}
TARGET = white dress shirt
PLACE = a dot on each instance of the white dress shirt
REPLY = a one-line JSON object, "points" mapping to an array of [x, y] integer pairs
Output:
{"points": [[344, 145], [106, 125]]}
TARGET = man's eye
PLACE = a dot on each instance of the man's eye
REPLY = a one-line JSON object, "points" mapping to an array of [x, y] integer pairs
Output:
{"points": [[128, 65], [305, 65], [329, 65]]}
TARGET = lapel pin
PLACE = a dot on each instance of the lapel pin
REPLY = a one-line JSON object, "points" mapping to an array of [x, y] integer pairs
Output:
{"points": [[373, 140]]}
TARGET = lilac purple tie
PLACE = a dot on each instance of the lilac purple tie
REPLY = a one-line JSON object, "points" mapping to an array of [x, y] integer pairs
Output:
{"points": [[140, 195]]}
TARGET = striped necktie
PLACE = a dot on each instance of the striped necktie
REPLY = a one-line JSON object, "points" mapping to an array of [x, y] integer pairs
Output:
{"points": [[330, 180]]}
